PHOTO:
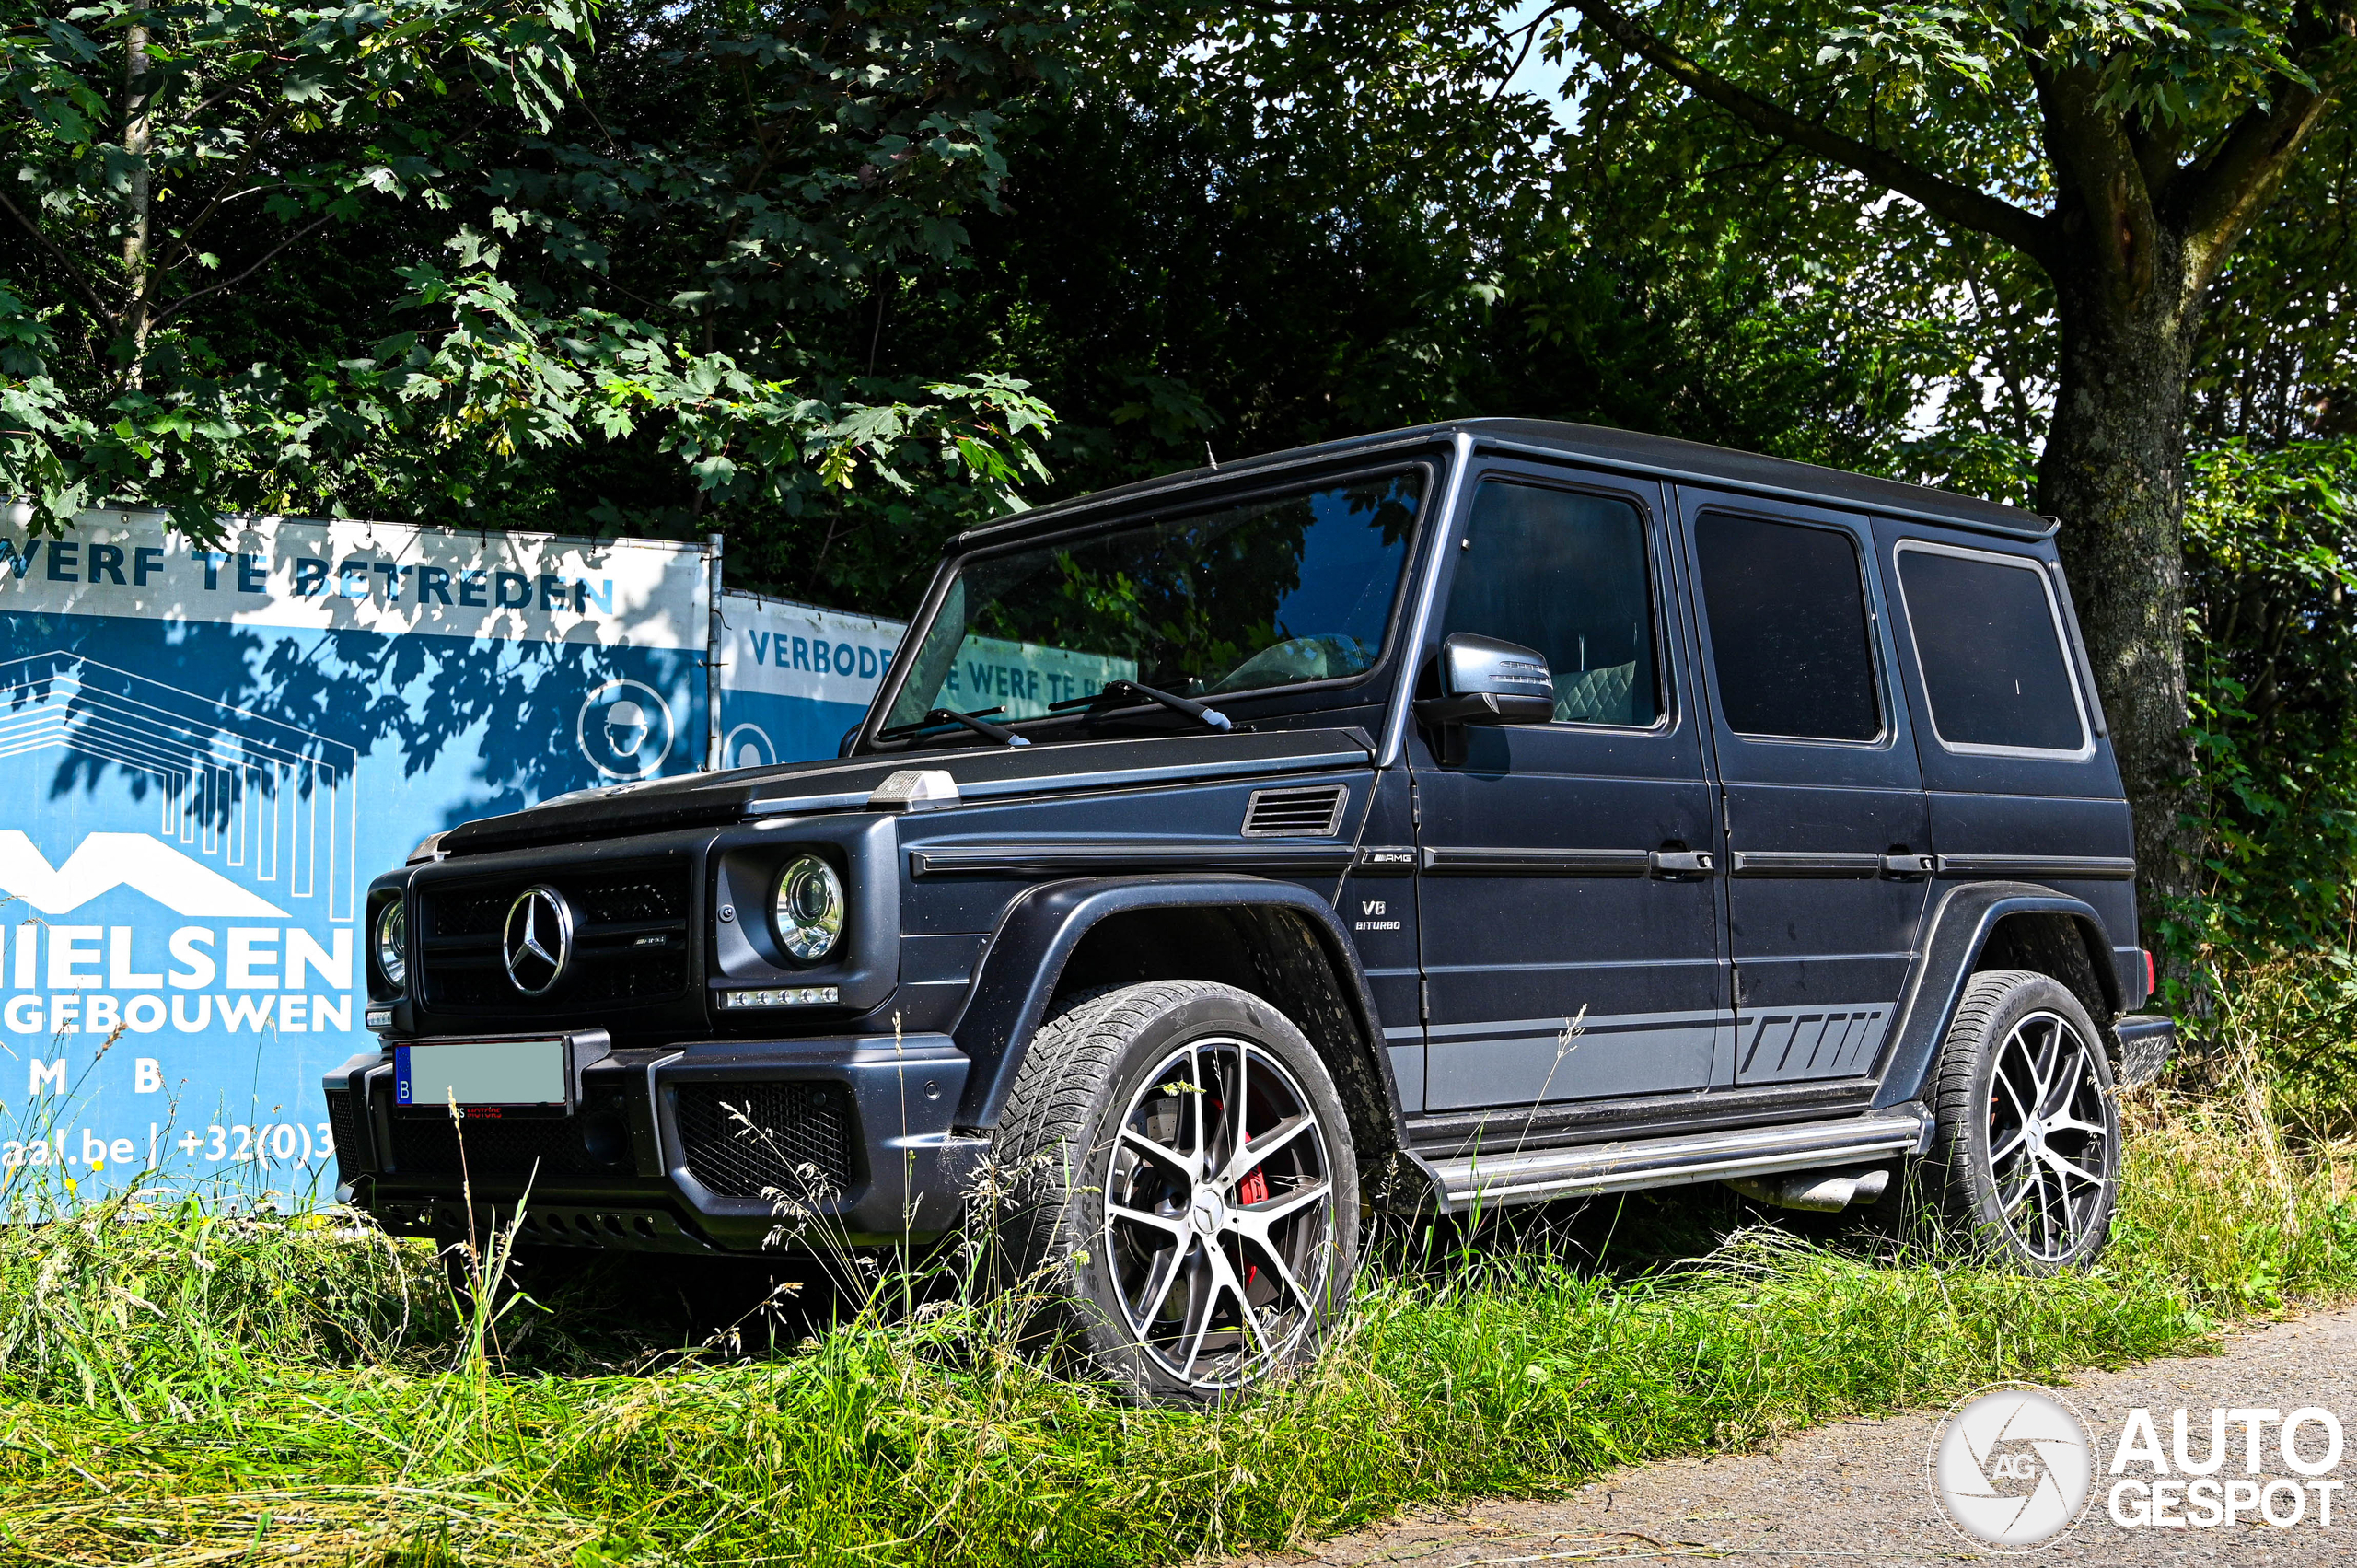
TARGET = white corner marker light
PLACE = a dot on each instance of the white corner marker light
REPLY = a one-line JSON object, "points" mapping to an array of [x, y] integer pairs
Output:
{"points": [[915, 789]]}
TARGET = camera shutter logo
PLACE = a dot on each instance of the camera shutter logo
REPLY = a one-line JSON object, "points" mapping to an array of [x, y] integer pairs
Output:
{"points": [[2012, 1466], [537, 940]]}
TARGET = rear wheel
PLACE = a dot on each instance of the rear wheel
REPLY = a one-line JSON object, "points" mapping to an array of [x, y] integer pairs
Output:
{"points": [[1187, 1190], [2024, 1162]]}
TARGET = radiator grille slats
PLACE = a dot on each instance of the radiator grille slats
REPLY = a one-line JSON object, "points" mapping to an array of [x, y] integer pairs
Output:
{"points": [[629, 939]]}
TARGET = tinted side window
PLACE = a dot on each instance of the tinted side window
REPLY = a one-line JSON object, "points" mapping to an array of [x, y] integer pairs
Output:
{"points": [[1789, 636], [1991, 655], [1564, 575]]}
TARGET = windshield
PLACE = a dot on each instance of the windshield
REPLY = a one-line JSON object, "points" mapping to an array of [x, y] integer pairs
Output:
{"points": [[1268, 592]]}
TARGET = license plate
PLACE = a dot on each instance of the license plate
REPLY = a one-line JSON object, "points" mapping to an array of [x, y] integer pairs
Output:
{"points": [[481, 1071]]}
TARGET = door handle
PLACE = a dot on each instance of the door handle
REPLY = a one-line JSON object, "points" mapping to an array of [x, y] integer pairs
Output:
{"points": [[1909, 864], [1680, 862]]}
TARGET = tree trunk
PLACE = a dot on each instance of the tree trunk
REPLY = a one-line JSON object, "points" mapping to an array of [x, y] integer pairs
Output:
{"points": [[136, 139], [2113, 470]]}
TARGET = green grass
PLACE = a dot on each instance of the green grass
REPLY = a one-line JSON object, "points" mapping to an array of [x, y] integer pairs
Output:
{"points": [[184, 1388]]}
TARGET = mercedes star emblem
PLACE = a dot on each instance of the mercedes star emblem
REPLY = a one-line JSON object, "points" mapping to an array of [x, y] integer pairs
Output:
{"points": [[537, 940]]}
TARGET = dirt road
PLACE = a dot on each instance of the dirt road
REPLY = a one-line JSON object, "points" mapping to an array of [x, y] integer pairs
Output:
{"points": [[1856, 1492]]}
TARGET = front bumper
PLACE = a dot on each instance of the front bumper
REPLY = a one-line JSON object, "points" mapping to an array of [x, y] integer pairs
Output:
{"points": [[720, 1146]]}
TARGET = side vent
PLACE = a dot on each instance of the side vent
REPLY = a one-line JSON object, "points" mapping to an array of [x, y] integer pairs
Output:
{"points": [[1312, 813]]}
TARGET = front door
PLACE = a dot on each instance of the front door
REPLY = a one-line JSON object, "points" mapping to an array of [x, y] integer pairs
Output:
{"points": [[1568, 913], [1828, 842]]}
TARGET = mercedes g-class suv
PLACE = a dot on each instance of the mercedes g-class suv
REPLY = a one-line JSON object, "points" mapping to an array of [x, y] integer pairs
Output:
{"points": [[1537, 810]]}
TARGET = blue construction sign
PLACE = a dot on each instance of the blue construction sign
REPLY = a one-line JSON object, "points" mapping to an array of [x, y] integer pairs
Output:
{"points": [[210, 751], [794, 678]]}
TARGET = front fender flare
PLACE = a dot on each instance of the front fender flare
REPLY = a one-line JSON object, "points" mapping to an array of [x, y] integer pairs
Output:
{"points": [[1959, 928], [1036, 935]]}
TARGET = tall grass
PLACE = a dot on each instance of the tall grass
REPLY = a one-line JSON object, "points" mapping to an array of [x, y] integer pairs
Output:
{"points": [[183, 1388]]}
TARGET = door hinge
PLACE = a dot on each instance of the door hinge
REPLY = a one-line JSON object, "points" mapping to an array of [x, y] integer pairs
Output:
{"points": [[1423, 1000]]}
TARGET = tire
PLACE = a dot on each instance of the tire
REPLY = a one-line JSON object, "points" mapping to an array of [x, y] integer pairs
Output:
{"points": [[2025, 1160], [1181, 1281]]}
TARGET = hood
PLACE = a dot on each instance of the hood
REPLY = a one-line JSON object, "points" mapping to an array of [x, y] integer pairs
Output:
{"points": [[995, 772]]}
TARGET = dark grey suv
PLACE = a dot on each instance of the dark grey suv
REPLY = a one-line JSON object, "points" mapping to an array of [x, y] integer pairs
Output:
{"points": [[1483, 814]]}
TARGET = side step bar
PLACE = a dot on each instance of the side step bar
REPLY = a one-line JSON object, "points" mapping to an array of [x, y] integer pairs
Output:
{"points": [[1538, 1175]]}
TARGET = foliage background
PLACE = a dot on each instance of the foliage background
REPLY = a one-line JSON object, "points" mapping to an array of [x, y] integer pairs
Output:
{"points": [[840, 279]]}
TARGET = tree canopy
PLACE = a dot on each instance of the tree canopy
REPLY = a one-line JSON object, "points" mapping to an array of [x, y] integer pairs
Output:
{"points": [[428, 257], [839, 279]]}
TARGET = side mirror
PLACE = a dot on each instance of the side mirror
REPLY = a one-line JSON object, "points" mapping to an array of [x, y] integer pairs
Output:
{"points": [[1486, 680]]}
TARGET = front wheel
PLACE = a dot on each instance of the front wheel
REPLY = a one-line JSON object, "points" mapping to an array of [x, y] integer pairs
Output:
{"points": [[1187, 1194], [2024, 1162]]}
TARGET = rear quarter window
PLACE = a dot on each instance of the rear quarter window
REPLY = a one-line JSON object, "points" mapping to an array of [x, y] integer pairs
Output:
{"points": [[1988, 642]]}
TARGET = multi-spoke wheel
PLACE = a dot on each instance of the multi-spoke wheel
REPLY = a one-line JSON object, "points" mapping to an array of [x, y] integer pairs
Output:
{"points": [[1188, 1185], [2026, 1157]]}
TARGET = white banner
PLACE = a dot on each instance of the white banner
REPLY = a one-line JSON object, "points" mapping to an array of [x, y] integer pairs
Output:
{"points": [[390, 579], [794, 678]]}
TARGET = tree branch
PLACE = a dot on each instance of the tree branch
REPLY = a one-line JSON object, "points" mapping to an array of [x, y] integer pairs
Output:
{"points": [[2103, 205], [2226, 186], [75, 276], [1944, 199], [184, 243], [1529, 31], [184, 301]]}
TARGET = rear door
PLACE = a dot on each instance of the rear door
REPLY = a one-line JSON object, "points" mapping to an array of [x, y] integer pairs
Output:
{"points": [[1564, 957], [1827, 830]]}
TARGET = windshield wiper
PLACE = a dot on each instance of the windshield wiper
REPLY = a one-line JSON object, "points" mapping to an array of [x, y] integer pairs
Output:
{"points": [[943, 718], [1116, 692]]}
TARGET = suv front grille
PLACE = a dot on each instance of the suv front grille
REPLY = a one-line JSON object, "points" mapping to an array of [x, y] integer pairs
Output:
{"points": [[629, 936], [748, 1140]]}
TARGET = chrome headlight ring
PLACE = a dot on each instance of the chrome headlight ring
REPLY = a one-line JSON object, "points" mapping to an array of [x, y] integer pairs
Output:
{"points": [[390, 938], [808, 909]]}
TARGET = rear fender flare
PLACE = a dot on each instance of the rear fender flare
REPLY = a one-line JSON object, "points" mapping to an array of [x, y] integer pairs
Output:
{"points": [[1038, 933], [1959, 929]]}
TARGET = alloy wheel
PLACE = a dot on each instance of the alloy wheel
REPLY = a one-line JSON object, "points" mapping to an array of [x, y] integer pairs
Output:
{"points": [[1219, 1213], [2050, 1138]]}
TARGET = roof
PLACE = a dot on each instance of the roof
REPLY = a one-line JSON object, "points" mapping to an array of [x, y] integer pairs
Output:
{"points": [[1662, 456]]}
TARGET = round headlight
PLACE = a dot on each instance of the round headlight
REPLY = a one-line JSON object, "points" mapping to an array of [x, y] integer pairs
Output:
{"points": [[809, 909], [393, 943]]}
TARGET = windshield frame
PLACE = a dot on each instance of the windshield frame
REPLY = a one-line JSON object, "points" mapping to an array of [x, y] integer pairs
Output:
{"points": [[1203, 495]]}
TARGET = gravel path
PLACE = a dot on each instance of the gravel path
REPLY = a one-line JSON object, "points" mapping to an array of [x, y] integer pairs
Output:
{"points": [[1855, 1491]]}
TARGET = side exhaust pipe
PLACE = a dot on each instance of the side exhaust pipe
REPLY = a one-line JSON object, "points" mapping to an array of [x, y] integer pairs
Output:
{"points": [[1818, 1191]]}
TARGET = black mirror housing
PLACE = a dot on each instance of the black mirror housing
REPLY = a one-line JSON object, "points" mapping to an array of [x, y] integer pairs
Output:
{"points": [[1489, 680]]}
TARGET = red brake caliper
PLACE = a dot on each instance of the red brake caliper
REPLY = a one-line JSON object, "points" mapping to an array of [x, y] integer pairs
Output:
{"points": [[1253, 1189]]}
